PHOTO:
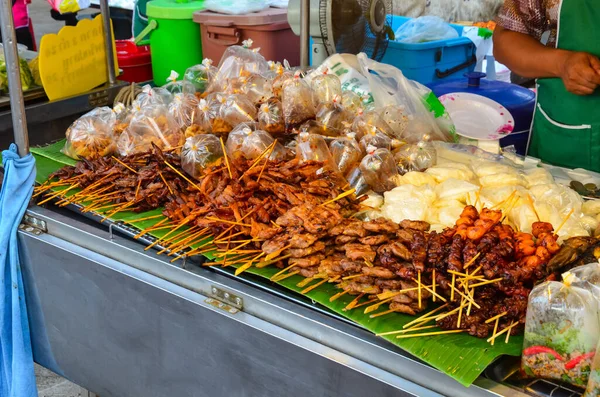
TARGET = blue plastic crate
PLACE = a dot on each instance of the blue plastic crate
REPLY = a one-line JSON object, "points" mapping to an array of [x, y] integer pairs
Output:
{"points": [[431, 61]]}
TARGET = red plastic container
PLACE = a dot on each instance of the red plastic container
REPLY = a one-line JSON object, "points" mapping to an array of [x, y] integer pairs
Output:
{"points": [[268, 29], [134, 61]]}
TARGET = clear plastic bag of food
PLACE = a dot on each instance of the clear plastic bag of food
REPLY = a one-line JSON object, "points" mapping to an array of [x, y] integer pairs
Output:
{"points": [[297, 102], [258, 142], [334, 117], [258, 89], [379, 169], [587, 277], [416, 178], [270, 117], [280, 79], [151, 96], [200, 152], [236, 138], [152, 125], [325, 88], [239, 61], [179, 87], [396, 119], [91, 135], [415, 157], [357, 181], [202, 118], [441, 172], [593, 386], [238, 109], [312, 147], [408, 202], [201, 76], [183, 109], [377, 139], [370, 122], [314, 127], [352, 102], [561, 332], [346, 153], [123, 117]]}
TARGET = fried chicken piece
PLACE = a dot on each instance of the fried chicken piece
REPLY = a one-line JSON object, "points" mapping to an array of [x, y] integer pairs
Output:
{"points": [[402, 308], [307, 261], [378, 272], [374, 240], [360, 251], [302, 252], [415, 225], [261, 231], [538, 228], [302, 240], [381, 225], [341, 240], [404, 270], [355, 228], [355, 287], [309, 272], [395, 248]]}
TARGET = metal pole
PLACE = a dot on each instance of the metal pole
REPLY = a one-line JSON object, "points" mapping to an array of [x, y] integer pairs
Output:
{"points": [[11, 55], [108, 39], [304, 33]]}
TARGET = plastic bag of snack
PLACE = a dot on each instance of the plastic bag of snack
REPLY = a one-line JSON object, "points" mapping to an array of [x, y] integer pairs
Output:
{"points": [[314, 127], [396, 119], [413, 157], [451, 170], [179, 87], [236, 138], [258, 142], [312, 147], [346, 153], [370, 122], [297, 102], [202, 118], [379, 169], [183, 109], [416, 178], [561, 332], [270, 117], [201, 76], [238, 109], [152, 125], [333, 116], [593, 386], [375, 138], [91, 135], [408, 202], [258, 89], [123, 117], [238, 61], [352, 102], [151, 96], [587, 277], [200, 152], [282, 76], [325, 88], [357, 181]]}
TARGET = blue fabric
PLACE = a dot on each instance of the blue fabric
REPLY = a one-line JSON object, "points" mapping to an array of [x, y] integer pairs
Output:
{"points": [[17, 377]]}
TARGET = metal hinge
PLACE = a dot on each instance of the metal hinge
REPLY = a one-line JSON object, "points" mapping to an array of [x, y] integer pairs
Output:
{"points": [[33, 225], [225, 300]]}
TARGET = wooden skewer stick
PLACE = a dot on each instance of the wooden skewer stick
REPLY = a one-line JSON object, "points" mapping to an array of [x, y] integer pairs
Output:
{"points": [[282, 271], [248, 264], [452, 331], [489, 320], [183, 176], [353, 276], [403, 331], [433, 284], [460, 312], [287, 275], [165, 182], [338, 295], [430, 291], [211, 218], [495, 330], [266, 161], [382, 313], [275, 254], [444, 315], [184, 222], [374, 307], [473, 259], [419, 285], [340, 196], [226, 158], [270, 262], [364, 303], [486, 282], [530, 200], [452, 288], [425, 316], [503, 331], [565, 220], [352, 304], [307, 290], [124, 165], [257, 160]]}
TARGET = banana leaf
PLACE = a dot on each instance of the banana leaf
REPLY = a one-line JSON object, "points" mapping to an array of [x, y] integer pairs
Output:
{"points": [[460, 356]]}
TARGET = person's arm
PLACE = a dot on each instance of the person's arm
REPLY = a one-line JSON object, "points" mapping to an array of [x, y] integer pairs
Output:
{"points": [[527, 57]]}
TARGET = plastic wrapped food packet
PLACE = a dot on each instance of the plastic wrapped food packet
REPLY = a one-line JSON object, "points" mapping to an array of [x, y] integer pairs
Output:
{"points": [[151, 96], [377, 139], [370, 122], [258, 89], [257, 142], [239, 61], [357, 181], [201, 118], [236, 139], [587, 277], [238, 109], [200, 152], [152, 125], [201, 76], [418, 129], [279, 80], [314, 127], [333, 116], [351, 101], [561, 332], [417, 157], [345, 152], [312, 147], [379, 169], [123, 117], [593, 386], [91, 135], [325, 88], [408, 202], [270, 117], [179, 87], [297, 102], [216, 102], [396, 119], [183, 108]]}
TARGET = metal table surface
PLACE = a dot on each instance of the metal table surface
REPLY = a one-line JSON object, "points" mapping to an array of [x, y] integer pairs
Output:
{"points": [[125, 322]]}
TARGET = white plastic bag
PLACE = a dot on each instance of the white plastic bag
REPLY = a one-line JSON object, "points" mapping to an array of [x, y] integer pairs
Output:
{"points": [[236, 7], [424, 29]]}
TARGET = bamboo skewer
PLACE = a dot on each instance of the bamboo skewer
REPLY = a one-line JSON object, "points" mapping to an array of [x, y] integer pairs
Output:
{"points": [[427, 315], [452, 331], [403, 331], [226, 159], [496, 280], [338, 295], [247, 265], [495, 330], [270, 262], [433, 284], [565, 220], [503, 331], [340, 196], [183, 176], [382, 313], [489, 320], [288, 275], [452, 288], [419, 285], [124, 165], [354, 302], [308, 289], [274, 278], [530, 199]]}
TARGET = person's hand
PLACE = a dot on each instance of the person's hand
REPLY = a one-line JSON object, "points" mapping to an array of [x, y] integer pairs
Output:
{"points": [[580, 72]]}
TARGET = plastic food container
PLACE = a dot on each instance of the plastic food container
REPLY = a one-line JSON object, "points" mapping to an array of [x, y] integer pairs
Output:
{"points": [[431, 61], [174, 38], [135, 61], [519, 101], [268, 29]]}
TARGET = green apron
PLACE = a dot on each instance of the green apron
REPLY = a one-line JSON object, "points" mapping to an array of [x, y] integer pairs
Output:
{"points": [[566, 127]]}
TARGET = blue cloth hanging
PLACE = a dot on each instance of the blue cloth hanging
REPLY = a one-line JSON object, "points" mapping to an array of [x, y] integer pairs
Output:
{"points": [[17, 377]]}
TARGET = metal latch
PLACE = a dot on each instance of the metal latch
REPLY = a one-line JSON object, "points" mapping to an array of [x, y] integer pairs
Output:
{"points": [[33, 225], [225, 300]]}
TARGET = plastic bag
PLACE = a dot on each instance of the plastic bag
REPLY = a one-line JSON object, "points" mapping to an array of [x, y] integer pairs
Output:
{"points": [[357, 181], [236, 138], [376, 139], [202, 118], [451, 170], [587, 277], [325, 89], [201, 76], [416, 178], [280, 79], [417, 157], [238, 61], [428, 118], [91, 135], [593, 386], [312, 147], [352, 102], [258, 89], [334, 117], [379, 169], [152, 125], [236, 7], [237, 109], [314, 127], [297, 102], [395, 118], [346, 153], [183, 109], [257, 142], [408, 202], [179, 87], [151, 96], [454, 189], [200, 152], [538, 176], [270, 117], [561, 331], [424, 29]]}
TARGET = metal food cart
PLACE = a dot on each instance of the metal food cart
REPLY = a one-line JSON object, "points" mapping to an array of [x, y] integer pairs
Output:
{"points": [[122, 321]]}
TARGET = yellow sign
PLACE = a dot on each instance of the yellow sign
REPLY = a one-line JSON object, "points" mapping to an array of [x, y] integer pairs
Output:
{"points": [[74, 60]]}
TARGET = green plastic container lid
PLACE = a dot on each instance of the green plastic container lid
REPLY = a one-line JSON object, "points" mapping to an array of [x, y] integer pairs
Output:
{"points": [[173, 9]]}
